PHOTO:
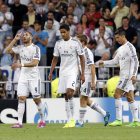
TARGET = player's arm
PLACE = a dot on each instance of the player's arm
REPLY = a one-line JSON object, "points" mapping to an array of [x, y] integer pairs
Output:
{"points": [[82, 60], [134, 65], [114, 61], [54, 62], [32, 64], [9, 48], [92, 67]]}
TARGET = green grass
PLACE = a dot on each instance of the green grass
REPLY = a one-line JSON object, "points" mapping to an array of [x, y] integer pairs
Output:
{"points": [[91, 131]]}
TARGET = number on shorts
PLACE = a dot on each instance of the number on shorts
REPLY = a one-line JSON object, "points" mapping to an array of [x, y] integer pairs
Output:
{"points": [[73, 83]]}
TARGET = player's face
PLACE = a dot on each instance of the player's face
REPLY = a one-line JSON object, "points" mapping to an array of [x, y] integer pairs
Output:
{"points": [[27, 37], [65, 34], [119, 38]]}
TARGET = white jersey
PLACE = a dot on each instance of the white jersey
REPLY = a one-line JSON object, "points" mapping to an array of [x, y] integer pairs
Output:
{"points": [[127, 58], [27, 55], [68, 51], [88, 55]]}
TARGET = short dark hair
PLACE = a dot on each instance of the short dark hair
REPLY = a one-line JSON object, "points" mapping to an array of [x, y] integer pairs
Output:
{"points": [[25, 20], [50, 12], [50, 20], [29, 33], [120, 32], [91, 42], [69, 15], [83, 38], [65, 26], [125, 17], [37, 22]]}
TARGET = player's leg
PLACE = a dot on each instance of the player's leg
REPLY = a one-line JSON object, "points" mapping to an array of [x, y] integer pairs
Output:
{"points": [[70, 88], [118, 104], [82, 110], [69, 93], [34, 86], [100, 110], [70, 82], [22, 92], [40, 108], [67, 108], [62, 89], [134, 108]]}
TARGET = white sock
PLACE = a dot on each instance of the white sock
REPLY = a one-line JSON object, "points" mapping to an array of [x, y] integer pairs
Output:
{"points": [[97, 108], [21, 109], [118, 103], [134, 110], [71, 105], [82, 112], [67, 108], [41, 111]]}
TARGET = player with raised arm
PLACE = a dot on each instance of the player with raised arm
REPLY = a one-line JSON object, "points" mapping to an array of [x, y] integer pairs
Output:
{"points": [[126, 57], [88, 86], [29, 80], [68, 49]]}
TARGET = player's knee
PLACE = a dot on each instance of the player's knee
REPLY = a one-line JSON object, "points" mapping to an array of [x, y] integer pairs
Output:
{"points": [[22, 98], [130, 98], [116, 95], [69, 94], [36, 100]]}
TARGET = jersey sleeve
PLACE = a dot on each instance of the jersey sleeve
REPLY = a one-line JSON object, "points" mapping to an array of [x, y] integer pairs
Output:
{"points": [[113, 61], [36, 53], [134, 59], [56, 51], [89, 57], [17, 49], [79, 48]]}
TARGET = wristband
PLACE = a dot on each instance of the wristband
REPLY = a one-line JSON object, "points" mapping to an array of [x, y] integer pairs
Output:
{"points": [[22, 64]]}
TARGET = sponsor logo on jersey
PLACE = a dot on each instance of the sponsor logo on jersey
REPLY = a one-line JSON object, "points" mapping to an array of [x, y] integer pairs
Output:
{"points": [[25, 58]]}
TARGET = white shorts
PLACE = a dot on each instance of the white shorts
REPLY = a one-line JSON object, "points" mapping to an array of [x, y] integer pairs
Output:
{"points": [[125, 85], [66, 82], [33, 86], [86, 87]]}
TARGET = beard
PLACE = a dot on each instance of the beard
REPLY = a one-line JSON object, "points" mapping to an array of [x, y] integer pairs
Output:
{"points": [[26, 41]]}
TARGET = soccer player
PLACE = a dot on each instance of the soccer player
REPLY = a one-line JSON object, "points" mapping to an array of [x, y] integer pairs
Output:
{"points": [[88, 86], [127, 58], [29, 80], [68, 49]]}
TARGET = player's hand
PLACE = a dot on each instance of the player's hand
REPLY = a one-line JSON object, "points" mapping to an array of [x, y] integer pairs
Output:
{"points": [[36, 37], [133, 79], [82, 78], [50, 76], [16, 65], [18, 36], [93, 86], [101, 64]]}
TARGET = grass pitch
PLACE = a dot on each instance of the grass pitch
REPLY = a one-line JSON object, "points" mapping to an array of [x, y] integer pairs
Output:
{"points": [[91, 131]]}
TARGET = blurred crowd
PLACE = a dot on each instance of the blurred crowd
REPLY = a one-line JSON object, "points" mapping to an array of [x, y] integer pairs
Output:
{"points": [[97, 19]]}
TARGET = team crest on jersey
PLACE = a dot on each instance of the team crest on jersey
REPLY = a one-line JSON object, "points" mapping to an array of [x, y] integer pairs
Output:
{"points": [[70, 47]]}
